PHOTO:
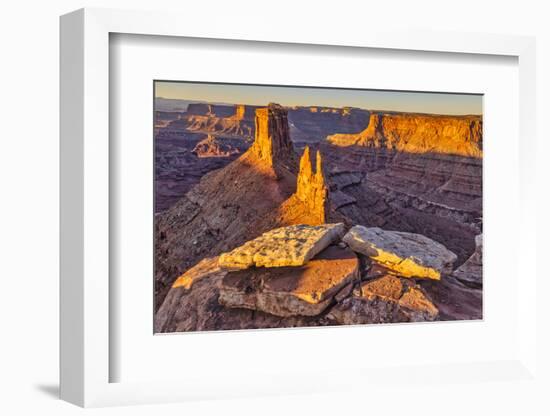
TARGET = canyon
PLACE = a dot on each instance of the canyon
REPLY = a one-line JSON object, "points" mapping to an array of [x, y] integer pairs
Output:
{"points": [[226, 176]]}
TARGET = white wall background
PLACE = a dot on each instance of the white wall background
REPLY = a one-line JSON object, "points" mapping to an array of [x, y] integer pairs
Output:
{"points": [[29, 205]]}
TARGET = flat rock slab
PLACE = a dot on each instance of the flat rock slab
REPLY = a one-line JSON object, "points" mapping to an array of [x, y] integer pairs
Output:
{"points": [[387, 299], [287, 246], [405, 254], [288, 291], [471, 272]]}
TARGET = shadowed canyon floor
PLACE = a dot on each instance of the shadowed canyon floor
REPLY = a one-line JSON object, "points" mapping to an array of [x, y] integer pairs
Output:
{"points": [[245, 196]]}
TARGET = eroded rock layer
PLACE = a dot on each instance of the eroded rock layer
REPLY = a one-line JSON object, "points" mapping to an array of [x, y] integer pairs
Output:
{"points": [[437, 195], [289, 291], [418, 133]]}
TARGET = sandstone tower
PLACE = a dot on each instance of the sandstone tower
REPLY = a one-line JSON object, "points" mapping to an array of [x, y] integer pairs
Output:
{"points": [[311, 187], [272, 143]]}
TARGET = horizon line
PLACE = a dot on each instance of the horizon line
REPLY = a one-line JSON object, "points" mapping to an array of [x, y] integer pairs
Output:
{"points": [[373, 110]]}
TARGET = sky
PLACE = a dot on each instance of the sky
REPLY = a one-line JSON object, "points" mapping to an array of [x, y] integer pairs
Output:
{"points": [[435, 103]]}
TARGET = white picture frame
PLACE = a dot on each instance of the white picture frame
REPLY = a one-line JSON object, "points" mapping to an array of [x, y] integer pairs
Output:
{"points": [[85, 212]]}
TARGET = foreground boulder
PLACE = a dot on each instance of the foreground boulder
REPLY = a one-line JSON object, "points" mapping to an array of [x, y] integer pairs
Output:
{"points": [[386, 299], [198, 309], [405, 254], [288, 291], [471, 271], [287, 246]]}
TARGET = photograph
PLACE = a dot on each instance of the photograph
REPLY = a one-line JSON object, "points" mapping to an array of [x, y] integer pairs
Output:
{"points": [[294, 206]]}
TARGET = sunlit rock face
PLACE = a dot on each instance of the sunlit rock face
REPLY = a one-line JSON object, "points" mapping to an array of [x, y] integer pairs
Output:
{"points": [[204, 268], [272, 144], [287, 246], [310, 204], [415, 133], [306, 290], [311, 187], [405, 254]]}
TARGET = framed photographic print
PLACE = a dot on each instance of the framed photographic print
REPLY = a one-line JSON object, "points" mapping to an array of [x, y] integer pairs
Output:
{"points": [[237, 209], [336, 207]]}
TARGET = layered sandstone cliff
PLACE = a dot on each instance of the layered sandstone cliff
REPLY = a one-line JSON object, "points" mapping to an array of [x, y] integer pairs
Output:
{"points": [[418, 133], [412, 172], [220, 120]]}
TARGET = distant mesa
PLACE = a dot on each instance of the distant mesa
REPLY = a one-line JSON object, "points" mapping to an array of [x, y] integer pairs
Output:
{"points": [[418, 133]]}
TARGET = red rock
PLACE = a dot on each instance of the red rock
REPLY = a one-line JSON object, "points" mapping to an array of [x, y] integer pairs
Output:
{"points": [[383, 300], [418, 133], [288, 291]]}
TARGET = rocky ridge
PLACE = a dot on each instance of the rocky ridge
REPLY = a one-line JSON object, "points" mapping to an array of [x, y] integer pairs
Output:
{"points": [[337, 286]]}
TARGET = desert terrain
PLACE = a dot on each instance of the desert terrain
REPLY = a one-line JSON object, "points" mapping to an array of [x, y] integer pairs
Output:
{"points": [[272, 217]]}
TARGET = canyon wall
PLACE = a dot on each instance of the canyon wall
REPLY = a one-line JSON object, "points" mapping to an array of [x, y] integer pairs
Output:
{"points": [[409, 172], [418, 133]]}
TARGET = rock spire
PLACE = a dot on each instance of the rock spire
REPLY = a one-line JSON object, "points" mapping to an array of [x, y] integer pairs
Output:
{"points": [[272, 144], [311, 186]]}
